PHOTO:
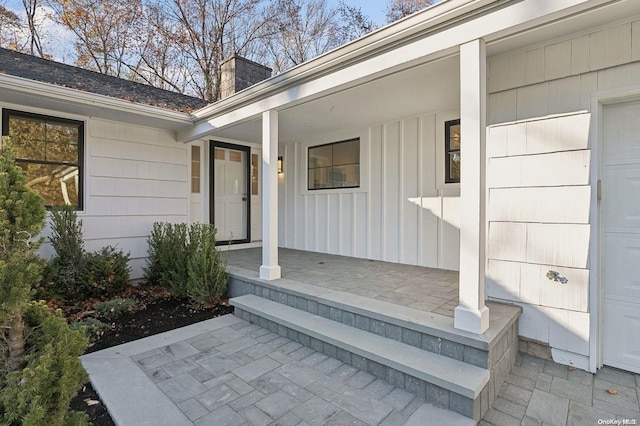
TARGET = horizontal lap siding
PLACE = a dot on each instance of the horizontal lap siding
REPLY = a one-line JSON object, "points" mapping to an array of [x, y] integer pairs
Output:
{"points": [[538, 176], [397, 215], [538, 180], [135, 176]]}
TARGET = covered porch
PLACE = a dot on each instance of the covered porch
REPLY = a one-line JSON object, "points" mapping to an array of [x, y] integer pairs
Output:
{"points": [[417, 287]]}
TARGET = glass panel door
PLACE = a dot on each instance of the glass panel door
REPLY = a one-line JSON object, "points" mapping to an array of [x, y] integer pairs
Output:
{"points": [[231, 189]]}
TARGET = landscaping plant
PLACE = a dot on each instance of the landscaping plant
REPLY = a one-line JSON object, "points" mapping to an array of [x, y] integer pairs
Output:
{"points": [[39, 367], [184, 259], [22, 215], [73, 273]]}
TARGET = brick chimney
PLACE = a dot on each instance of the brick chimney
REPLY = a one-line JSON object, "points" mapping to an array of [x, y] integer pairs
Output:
{"points": [[238, 73]]}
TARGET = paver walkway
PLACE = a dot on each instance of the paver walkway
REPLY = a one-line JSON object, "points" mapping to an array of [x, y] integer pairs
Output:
{"points": [[230, 372], [542, 392], [226, 371]]}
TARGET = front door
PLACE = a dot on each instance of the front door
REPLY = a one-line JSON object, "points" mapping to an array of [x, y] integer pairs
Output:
{"points": [[621, 245], [230, 206]]}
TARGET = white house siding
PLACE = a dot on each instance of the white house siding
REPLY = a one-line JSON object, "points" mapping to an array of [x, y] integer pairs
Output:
{"points": [[134, 176], [397, 215], [539, 178]]}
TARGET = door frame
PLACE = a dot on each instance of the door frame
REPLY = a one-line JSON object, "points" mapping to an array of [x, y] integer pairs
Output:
{"points": [[213, 144], [599, 100]]}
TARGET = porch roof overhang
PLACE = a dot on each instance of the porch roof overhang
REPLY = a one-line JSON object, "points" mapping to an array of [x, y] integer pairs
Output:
{"points": [[406, 68], [35, 94]]}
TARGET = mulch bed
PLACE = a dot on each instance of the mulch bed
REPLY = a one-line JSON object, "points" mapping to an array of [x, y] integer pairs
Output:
{"points": [[156, 312]]}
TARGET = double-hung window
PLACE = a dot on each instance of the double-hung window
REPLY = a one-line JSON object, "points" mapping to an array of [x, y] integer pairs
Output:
{"points": [[334, 165], [50, 150]]}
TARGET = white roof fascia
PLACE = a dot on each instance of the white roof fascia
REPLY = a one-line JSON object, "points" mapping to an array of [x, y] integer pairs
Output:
{"points": [[92, 101], [437, 31]]}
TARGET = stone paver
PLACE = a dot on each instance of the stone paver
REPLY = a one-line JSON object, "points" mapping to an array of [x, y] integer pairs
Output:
{"points": [[238, 374], [233, 376], [422, 288], [564, 396]]}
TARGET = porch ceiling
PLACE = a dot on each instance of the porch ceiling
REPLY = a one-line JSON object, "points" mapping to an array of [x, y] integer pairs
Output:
{"points": [[427, 87]]}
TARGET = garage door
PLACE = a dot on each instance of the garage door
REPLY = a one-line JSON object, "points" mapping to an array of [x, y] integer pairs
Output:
{"points": [[621, 201]]}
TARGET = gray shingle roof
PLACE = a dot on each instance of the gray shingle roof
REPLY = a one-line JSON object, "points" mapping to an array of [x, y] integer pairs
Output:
{"points": [[38, 69]]}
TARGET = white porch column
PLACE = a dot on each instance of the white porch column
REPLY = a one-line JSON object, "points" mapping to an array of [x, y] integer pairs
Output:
{"points": [[472, 314], [270, 270]]}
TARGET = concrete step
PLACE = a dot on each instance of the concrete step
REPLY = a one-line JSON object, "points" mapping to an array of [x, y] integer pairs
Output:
{"points": [[441, 380]]}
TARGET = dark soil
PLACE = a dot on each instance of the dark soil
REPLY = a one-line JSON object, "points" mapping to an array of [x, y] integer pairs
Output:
{"points": [[157, 312]]}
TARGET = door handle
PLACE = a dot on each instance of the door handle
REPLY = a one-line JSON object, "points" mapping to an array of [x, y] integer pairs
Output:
{"points": [[244, 198]]}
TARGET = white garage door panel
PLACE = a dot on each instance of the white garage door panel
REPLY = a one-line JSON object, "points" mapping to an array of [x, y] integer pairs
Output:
{"points": [[622, 274], [621, 209], [622, 345], [622, 132]]}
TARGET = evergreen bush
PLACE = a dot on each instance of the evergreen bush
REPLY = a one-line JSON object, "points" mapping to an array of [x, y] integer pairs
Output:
{"points": [[39, 367], [91, 327], [22, 216], [75, 274], [41, 392], [184, 259], [67, 268], [114, 308], [107, 271], [206, 267]]}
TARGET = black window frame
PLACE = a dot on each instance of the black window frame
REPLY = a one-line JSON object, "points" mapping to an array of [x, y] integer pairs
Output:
{"points": [[447, 150], [332, 164], [8, 113]]}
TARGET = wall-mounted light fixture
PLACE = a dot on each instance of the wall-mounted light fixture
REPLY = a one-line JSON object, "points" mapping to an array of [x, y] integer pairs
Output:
{"points": [[280, 165]]}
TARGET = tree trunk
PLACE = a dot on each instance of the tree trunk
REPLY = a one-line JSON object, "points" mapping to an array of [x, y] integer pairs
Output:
{"points": [[15, 362]]}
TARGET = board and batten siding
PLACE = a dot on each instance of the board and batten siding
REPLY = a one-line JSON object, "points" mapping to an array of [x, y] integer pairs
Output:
{"points": [[539, 181], [134, 176], [398, 214]]}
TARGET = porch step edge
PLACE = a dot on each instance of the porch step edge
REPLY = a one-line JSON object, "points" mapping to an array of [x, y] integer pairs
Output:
{"points": [[455, 376], [501, 315]]}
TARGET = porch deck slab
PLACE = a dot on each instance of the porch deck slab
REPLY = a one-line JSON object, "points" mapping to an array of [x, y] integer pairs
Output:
{"points": [[418, 287]]}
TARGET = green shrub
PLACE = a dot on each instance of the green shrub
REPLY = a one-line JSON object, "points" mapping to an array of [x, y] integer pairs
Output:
{"points": [[91, 327], [68, 266], [184, 259], [206, 268], [74, 274], [112, 309], [167, 261], [107, 271], [22, 216], [41, 392]]}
